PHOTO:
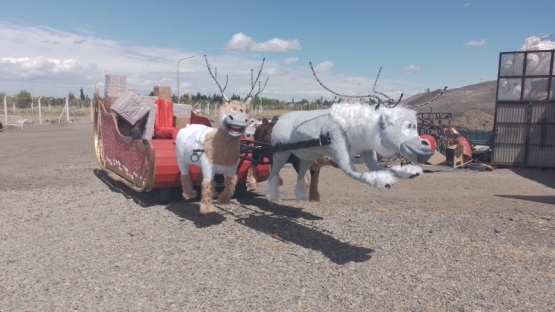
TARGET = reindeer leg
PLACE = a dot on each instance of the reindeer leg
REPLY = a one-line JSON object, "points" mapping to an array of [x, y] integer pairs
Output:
{"points": [[380, 179], [206, 200], [279, 160], [300, 191], [229, 190], [187, 186], [251, 180]]}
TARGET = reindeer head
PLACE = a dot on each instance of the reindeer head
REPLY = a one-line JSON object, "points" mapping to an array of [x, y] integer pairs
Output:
{"points": [[399, 134], [398, 131], [234, 115], [234, 118]]}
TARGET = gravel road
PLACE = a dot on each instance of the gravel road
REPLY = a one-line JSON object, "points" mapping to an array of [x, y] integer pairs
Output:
{"points": [[73, 240]]}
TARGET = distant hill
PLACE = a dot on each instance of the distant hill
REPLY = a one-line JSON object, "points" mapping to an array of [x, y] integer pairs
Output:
{"points": [[472, 106]]}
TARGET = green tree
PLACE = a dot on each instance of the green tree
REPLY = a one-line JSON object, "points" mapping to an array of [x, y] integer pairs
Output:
{"points": [[82, 95], [23, 99]]}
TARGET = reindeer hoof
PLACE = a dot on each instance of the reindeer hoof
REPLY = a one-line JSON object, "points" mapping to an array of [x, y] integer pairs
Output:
{"points": [[205, 209], [414, 175], [387, 186]]}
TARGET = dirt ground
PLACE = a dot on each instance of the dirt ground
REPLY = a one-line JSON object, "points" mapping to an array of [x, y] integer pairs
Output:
{"points": [[459, 240]]}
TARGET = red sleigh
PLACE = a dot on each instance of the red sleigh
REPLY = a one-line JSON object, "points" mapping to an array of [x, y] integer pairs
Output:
{"points": [[150, 164]]}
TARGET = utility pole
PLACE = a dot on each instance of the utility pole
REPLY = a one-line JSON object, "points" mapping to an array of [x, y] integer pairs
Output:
{"points": [[185, 58]]}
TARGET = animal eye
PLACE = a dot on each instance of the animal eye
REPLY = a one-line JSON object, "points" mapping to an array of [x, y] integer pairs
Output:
{"points": [[409, 126]]}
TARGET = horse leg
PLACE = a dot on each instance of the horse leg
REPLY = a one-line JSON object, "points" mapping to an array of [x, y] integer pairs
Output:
{"points": [[229, 189], [278, 161], [207, 195], [187, 186], [314, 194]]}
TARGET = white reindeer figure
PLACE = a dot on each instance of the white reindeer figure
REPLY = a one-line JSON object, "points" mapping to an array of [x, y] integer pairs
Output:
{"points": [[350, 129], [214, 150]]}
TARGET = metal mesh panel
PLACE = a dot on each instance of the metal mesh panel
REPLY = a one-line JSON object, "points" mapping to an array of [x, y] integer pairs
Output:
{"points": [[538, 63], [509, 89], [512, 64], [535, 89]]}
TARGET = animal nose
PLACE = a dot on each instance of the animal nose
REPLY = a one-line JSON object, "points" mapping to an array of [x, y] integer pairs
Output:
{"points": [[230, 117]]}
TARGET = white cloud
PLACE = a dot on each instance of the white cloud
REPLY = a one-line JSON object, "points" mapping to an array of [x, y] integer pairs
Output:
{"points": [[290, 60], [411, 69], [324, 66], [467, 4], [239, 42], [51, 62], [242, 42], [476, 43]]}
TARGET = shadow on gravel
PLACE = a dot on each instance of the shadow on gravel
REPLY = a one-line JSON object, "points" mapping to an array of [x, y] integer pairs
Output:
{"points": [[190, 211], [141, 199], [537, 199], [263, 204], [543, 176], [292, 232]]}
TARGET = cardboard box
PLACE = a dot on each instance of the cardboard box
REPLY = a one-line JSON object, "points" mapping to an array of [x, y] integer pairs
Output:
{"points": [[163, 92], [130, 107], [454, 156], [436, 159]]}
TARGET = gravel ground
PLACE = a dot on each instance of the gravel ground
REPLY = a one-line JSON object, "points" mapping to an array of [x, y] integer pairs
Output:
{"points": [[71, 239]]}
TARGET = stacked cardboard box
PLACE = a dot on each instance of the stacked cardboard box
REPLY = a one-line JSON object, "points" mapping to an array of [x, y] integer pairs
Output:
{"points": [[114, 86], [130, 107], [163, 92]]}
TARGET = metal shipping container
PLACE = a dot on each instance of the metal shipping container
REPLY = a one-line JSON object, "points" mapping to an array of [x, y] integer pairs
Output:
{"points": [[524, 125]]}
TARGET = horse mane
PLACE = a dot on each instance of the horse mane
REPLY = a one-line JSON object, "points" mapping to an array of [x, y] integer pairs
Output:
{"points": [[263, 132]]}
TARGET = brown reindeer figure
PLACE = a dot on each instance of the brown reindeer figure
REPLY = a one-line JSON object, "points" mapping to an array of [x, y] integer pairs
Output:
{"points": [[214, 150], [263, 134]]}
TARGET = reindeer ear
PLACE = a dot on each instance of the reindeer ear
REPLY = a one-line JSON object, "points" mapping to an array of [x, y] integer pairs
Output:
{"points": [[383, 121], [247, 105]]}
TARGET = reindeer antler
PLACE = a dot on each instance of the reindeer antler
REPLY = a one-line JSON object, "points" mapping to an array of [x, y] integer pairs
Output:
{"points": [[253, 82], [370, 96], [428, 102], [215, 77], [390, 101]]}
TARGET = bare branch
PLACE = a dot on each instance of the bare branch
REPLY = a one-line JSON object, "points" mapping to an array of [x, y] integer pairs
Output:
{"points": [[215, 77]]}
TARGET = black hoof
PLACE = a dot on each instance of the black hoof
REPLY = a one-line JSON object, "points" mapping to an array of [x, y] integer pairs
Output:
{"points": [[414, 175], [387, 186]]}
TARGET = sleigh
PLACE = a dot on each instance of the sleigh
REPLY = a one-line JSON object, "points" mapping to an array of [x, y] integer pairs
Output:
{"points": [[148, 163]]}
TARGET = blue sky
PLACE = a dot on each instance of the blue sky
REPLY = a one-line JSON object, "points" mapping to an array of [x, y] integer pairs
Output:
{"points": [[53, 47]]}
